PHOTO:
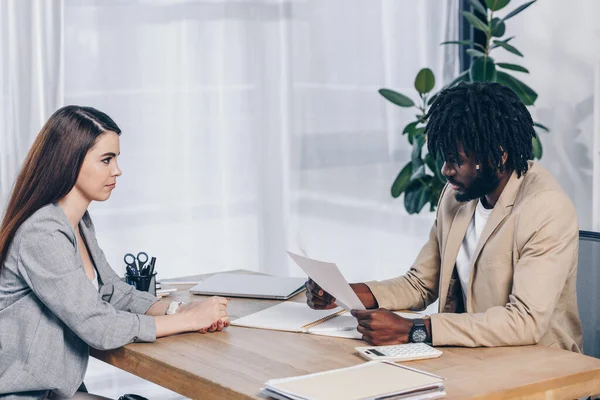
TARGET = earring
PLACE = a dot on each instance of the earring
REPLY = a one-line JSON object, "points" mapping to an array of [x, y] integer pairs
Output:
{"points": [[477, 167]]}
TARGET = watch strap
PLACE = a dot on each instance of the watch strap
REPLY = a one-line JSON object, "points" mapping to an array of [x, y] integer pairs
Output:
{"points": [[173, 307]]}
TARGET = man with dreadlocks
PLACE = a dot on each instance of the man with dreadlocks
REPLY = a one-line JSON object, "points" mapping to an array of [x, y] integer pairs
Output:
{"points": [[502, 253]]}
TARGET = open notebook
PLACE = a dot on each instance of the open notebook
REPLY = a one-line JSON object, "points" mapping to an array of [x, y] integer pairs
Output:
{"points": [[369, 381], [298, 317]]}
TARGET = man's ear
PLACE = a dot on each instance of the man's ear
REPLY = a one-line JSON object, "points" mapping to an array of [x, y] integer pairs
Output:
{"points": [[504, 156]]}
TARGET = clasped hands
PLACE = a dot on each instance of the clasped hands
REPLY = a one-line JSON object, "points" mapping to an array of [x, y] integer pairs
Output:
{"points": [[209, 315]]}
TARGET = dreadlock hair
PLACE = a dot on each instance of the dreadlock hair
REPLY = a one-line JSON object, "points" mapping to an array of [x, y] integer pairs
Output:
{"points": [[486, 118]]}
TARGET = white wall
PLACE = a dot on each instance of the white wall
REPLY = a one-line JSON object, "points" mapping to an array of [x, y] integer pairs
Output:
{"points": [[561, 43]]}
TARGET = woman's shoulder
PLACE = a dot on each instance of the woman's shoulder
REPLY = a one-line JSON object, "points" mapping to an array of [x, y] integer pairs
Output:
{"points": [[47, 220]]}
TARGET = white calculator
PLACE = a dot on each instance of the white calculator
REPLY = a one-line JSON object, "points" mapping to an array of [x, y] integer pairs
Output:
{"points": [[399, 352]]}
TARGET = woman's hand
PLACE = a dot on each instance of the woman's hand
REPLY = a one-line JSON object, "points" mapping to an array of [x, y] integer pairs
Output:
{"points": [[206, 316], [216, 326]]}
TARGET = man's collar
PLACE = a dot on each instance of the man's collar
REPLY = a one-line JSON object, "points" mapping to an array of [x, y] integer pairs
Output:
{"points": [[509, 193]]}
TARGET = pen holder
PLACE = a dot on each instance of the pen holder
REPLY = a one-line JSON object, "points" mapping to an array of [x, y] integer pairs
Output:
{"points": [[145, 283]]}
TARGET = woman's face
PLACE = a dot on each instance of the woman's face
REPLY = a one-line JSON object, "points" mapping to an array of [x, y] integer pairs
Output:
{"points": [[98, 175]]}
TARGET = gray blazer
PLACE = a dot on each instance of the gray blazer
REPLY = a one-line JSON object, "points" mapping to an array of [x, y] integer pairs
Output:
{"points": [[50, 312]]}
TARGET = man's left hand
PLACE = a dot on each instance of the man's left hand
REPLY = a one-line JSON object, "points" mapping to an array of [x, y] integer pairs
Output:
{"points": [[382, 327]]}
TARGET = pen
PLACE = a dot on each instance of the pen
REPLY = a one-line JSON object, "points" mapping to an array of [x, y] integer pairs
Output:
{"points": [[335, 329], [130, 271], [152, 263]]}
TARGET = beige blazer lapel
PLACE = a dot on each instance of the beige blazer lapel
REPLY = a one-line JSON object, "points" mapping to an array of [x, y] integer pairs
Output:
{"points": [[455, 237]]}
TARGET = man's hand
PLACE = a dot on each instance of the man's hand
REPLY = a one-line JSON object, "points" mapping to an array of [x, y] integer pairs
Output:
{"points": [[382, 327], [317, 298]]}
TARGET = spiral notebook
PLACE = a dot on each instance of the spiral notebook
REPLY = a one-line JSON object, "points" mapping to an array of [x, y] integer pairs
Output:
{"points": [[298, 317]]}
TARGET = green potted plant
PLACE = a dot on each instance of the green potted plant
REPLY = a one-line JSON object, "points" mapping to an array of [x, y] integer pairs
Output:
{"points": [[420, 179]]}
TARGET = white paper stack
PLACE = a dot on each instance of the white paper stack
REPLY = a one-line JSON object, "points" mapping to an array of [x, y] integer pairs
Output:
{"points": [[369, 381]]}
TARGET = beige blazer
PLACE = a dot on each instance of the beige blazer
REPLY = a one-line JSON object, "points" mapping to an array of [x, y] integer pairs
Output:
{"points": [[522, 286]]}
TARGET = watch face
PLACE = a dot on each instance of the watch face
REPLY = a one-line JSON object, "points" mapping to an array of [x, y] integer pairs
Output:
{"points": [[419, 335]]}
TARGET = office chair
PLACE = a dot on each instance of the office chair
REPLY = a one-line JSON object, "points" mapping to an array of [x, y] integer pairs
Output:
{"points": [[588, 291]]}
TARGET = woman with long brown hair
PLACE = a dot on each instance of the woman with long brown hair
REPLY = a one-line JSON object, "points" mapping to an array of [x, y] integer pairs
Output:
{"points": [[58, 295]]}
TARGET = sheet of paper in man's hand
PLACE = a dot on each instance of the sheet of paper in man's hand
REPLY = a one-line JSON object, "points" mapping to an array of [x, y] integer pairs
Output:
{"points": [[328, 276]]}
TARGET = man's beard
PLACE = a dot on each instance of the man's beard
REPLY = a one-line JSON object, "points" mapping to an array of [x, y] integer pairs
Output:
{"points": [[486, 181]]}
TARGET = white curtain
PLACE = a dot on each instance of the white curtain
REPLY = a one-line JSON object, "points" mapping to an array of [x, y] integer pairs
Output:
{"points": [[31, 85], [251, 127]]}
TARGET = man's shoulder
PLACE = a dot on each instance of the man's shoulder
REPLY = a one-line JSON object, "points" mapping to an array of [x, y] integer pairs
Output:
{"points": [[539, 185]]}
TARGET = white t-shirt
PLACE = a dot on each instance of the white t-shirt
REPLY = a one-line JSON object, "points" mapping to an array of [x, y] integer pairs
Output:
{"points": [[95, 280], [469, 245]]}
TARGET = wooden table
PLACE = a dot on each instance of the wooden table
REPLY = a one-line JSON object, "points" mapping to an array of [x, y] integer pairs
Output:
{"points": [[235, 363]]}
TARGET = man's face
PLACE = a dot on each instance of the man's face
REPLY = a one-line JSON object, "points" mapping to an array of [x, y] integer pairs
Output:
{"points": [[469, 178]]}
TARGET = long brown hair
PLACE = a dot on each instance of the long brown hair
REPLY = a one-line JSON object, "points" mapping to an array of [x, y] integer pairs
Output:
{"points": [[51, 168]]}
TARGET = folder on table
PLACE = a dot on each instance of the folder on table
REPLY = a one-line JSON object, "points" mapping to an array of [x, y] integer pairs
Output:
{"points": [[369, 381], [298, 317]]}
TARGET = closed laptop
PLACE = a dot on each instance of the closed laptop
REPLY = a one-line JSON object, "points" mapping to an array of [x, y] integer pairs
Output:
{"points": [[249, 285]]}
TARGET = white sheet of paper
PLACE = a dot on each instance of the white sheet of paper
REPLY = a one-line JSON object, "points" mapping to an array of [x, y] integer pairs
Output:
{"points": [[328, 276]]}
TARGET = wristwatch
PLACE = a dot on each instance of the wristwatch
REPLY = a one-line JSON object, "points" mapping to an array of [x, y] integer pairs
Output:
{"points": [[418, 332], [173, 307]]}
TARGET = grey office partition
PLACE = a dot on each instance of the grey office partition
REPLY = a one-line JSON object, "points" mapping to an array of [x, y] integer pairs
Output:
{"points": [[588, 291]]}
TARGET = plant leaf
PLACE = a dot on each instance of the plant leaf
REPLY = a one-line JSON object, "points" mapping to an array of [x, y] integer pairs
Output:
{"points": [[414, 133], [419, 173], [402, 180], [436, 191], [475, 53], [479, 7], [476, 22], [425, 81], [410, 127], [464, 42], [415, 156], [397, 98], [498, 27], [508, 47], [537, 147], [417, 194], [410, 194], [525, 93], [496, 5], [423, 198], [435, 168], [518, 10], [479, 47], [542, 127], [503, 41], [513, 67], [483, 69]]}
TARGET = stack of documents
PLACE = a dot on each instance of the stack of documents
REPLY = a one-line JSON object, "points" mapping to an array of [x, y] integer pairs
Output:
{"points": [[369, 381]]}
